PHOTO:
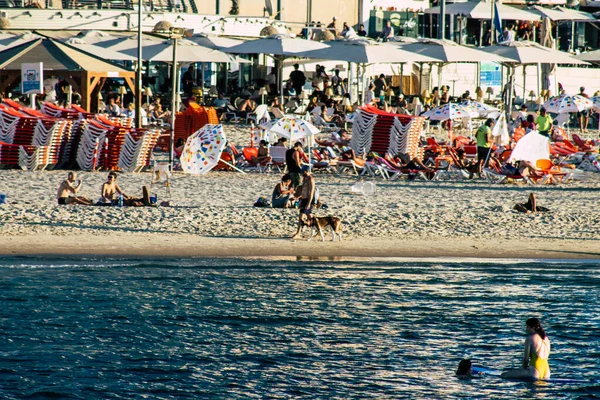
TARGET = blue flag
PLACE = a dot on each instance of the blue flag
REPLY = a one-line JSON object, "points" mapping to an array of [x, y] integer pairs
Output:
{"points": [[497, 25]]}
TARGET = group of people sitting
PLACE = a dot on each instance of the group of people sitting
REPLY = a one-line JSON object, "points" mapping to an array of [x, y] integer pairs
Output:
{"points": [[111, 193]]}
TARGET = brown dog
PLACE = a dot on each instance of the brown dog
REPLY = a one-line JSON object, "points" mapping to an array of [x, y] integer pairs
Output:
{"points": [[318, 224]]}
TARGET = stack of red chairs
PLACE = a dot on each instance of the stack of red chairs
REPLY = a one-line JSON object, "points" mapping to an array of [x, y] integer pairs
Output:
{"points": [[391, 133]]}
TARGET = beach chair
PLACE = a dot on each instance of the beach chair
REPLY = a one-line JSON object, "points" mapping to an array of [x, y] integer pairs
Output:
{"points": [[261, 113], [582, 145], [277, 159], [231, 114], [494, 174], [552, 173], [277, 113]]}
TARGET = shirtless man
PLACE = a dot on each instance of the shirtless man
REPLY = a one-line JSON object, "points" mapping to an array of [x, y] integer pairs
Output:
{"points": [[110, 188], [67, 190]]}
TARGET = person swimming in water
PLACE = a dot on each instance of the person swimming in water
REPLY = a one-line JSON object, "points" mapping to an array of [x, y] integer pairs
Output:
{"points": [[465, 368], [537, 351]]}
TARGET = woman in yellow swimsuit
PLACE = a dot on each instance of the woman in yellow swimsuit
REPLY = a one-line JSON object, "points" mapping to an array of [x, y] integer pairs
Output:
{"points": [[537, 351]]}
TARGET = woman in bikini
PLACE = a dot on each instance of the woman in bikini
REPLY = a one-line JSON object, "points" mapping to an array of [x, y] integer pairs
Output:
{"points": [[537, 351]]}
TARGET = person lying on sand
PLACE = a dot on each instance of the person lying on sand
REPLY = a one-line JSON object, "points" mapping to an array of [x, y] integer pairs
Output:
{"points": [[530, 206], [110, 189], [68, 189]]}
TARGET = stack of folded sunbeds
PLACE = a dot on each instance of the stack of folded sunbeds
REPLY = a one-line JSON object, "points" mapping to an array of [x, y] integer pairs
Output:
{"points": [[137, 149], [376, 131]]}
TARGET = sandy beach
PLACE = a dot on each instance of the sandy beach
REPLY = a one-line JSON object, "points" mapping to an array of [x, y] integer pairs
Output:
{"points": [[213, 215]]}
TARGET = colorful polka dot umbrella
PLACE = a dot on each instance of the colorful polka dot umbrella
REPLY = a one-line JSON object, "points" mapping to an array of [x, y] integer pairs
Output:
{"points": [[203, 149], [449, 111], [290, 127], [482, 110], [568, 104]]}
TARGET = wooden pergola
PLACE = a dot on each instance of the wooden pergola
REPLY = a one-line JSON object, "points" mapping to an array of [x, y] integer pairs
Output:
{"points": [[86, 73]]}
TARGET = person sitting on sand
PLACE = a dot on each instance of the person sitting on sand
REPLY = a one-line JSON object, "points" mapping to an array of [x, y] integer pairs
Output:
{"points": [[67, 191], [110, 189], [283, 195], [530, 206], [537, 351]]}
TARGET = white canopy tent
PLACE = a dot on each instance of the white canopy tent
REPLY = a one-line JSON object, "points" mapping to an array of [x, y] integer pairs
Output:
{"points": [[278, 46]]}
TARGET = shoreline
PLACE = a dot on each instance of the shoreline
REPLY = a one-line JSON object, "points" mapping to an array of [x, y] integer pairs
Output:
{"points": [[149, 245]]}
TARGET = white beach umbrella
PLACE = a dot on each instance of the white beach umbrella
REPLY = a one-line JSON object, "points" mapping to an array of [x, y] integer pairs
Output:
{"points": [[125, 43], [291, 127], [187, 51], [94, 36], [481, 10], [276, 45], [590, 56], [214, 41], [447, 51], [363, 51], [526, 52], [568, 104], [562, 14], [531, 147], [107, 54]]}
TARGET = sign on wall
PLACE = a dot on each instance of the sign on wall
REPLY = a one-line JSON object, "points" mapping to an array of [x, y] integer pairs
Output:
{"points": [[490, 75], [32, 77]]}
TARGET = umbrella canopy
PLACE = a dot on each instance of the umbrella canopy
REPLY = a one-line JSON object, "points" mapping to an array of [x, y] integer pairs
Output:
{"points": [[590, 56], [531, 147], [124, 43], [568, 104], [449, 111], [562, 14], [214, 41], [93, 36], [107, 54], [481, 109], [277, 45], [364, 51], [530, 53], [291, 127], [596, 103], [187, 51], [481, 10], [15, 40], [203, 149], [56, 56], [449, 51]]}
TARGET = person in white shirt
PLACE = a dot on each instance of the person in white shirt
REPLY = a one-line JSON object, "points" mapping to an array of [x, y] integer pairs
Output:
{"points": [[348, 31], [112, 108]]}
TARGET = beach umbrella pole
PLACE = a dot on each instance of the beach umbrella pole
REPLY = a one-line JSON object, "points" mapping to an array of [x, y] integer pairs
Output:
{"points": [[173, 104], [231, 166]]}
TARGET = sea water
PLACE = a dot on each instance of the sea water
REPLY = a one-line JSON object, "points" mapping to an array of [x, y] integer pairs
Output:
{"points": [[238, 329]]}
